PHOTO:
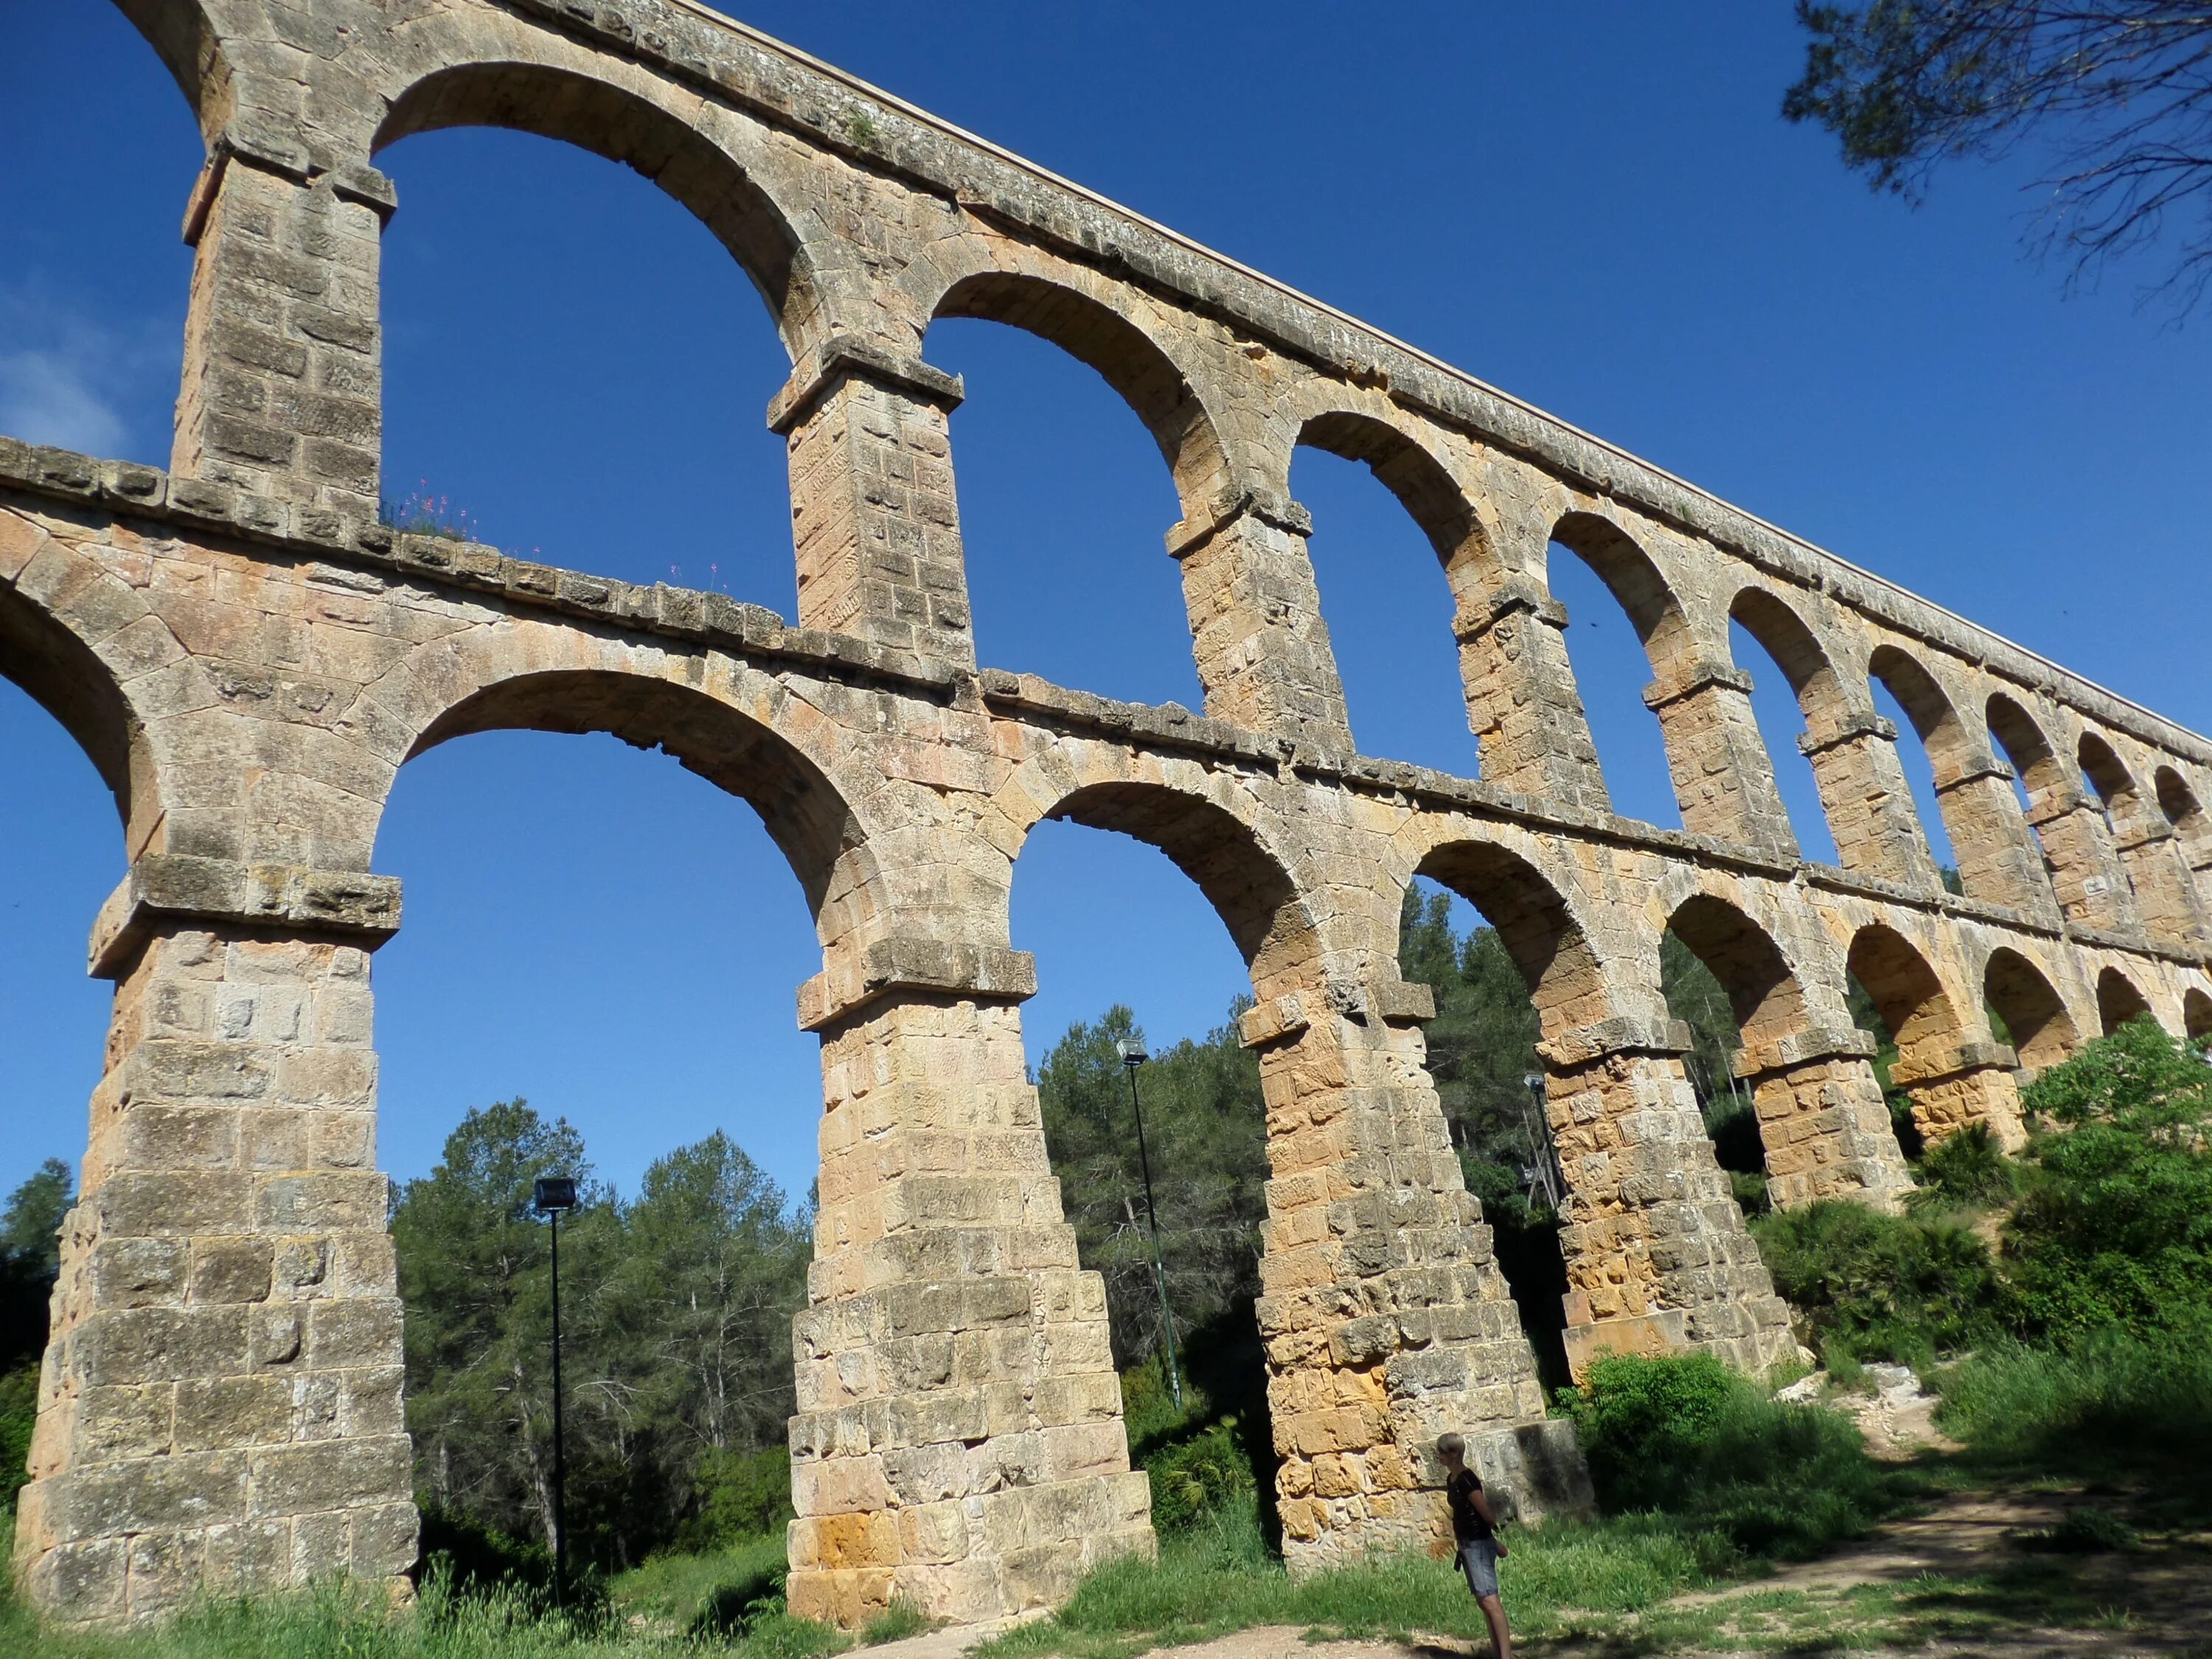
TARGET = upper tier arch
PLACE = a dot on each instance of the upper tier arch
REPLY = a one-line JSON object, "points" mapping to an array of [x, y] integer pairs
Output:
{"points": [[1087, 328], [186, 39], [693, 156]]}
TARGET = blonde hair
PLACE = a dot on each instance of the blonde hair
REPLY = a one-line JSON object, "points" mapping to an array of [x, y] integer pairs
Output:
{"points": [[1451, 1445]]}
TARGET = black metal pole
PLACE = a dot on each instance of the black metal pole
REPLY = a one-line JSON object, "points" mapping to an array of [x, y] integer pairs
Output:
{"points": [[560, 1438], [1153, 1220]]}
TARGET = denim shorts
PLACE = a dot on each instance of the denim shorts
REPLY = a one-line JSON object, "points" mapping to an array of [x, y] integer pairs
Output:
{"points": [[1479, 1560]]}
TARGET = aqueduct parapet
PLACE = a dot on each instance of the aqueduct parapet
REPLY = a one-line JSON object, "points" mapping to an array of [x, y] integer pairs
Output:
{"points": [[249, 656]]}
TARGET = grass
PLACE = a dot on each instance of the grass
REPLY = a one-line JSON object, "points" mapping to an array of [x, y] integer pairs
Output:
{"points": [[1710, 1484], [2109, 1410]]}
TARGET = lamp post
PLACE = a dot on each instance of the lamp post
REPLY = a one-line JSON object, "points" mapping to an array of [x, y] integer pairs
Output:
{"points": [[1132, 1056], [555, 1195]]}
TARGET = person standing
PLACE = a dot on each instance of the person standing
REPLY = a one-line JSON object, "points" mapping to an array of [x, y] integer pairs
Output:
{"points": [[1475, 1531]]}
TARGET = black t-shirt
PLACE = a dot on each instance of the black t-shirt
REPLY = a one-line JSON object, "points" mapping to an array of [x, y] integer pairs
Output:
{"points": [[1467, 1525]]}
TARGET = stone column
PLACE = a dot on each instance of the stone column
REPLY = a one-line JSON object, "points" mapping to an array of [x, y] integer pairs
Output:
{"points": [[959, 1443], [2077, 849], [1870, 804], [875, 522], [1521, 702], [1262, 649], [283, 389], [1385, 1319], [1998, 859], [219, 1404], [1724, 779], [1958, 1085], [2150, 854], [1658, 1259], [1823, 1121]]}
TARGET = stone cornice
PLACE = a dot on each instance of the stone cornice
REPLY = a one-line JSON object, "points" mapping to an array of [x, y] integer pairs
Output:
{"points": [[914, 967], [163, 889], [690, 615]]}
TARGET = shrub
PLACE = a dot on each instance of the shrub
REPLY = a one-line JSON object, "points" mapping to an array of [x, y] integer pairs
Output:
{"points": [[2085, 1531], [2115, 1226], [473, 1554], [1689, 1437], [2106, 1402], [19, 1408], [1194, 1478], [1878, 1287], [1968, 1171], [736, 1496]]}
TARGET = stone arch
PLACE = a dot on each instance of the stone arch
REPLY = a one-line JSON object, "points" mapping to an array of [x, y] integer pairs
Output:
{"points": [[1452, 524], [69, 633], [1428, 492], [2076, 846], [612, 121], [2109, 775], [1934, 722], [1651, 1243], [2034, 1014], [1914, 1005], [1717, 766], [2179, 802], [1124, 356], [2152, 855], [1763, 992], [1250, 886], [1821, 1116], [1951, 1080], [185, 38], [2118, 1000], [2196, 1013], [2021, 739], [1783, 635], [1795, 650], [1636, 581], [738, 731], [1537, 924]]}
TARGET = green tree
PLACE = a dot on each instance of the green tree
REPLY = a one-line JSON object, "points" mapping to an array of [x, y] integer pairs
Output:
{"points": [[1206, 1124], [712, 1267], [2120, 89], [2114, 1227], [1481, 1045], [30, 1258], [475, 1275]]}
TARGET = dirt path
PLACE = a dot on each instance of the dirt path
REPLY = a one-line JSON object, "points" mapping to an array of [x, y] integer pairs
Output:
{"points": [[1952, 1583]]}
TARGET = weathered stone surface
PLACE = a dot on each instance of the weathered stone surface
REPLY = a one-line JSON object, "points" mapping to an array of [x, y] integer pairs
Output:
{"points": [[248, 657]]}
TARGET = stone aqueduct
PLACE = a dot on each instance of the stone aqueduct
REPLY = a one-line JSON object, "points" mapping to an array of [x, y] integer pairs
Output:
{"points": [[249, 658]]}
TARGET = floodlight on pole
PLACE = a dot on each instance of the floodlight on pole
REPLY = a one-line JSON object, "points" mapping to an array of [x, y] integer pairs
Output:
{"points": [[553, 1197], [1134, 1054]]}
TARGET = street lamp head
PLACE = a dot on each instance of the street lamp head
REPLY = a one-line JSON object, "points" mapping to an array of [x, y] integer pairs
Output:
{"points": [[553, 1194], [1133, 1052], [1533, 1083]]}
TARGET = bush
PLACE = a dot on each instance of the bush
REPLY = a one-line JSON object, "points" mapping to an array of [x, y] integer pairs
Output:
{"points": [[1968, 1171], [473, 1556], [1877, 1287], [19, 1411], [2115, 1226], [1192, 1478], [1687, 1436], [737, 1496], [2105, 1403]]}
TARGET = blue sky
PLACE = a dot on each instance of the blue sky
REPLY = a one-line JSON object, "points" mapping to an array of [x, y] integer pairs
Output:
{"points": [[1593, 205]]}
